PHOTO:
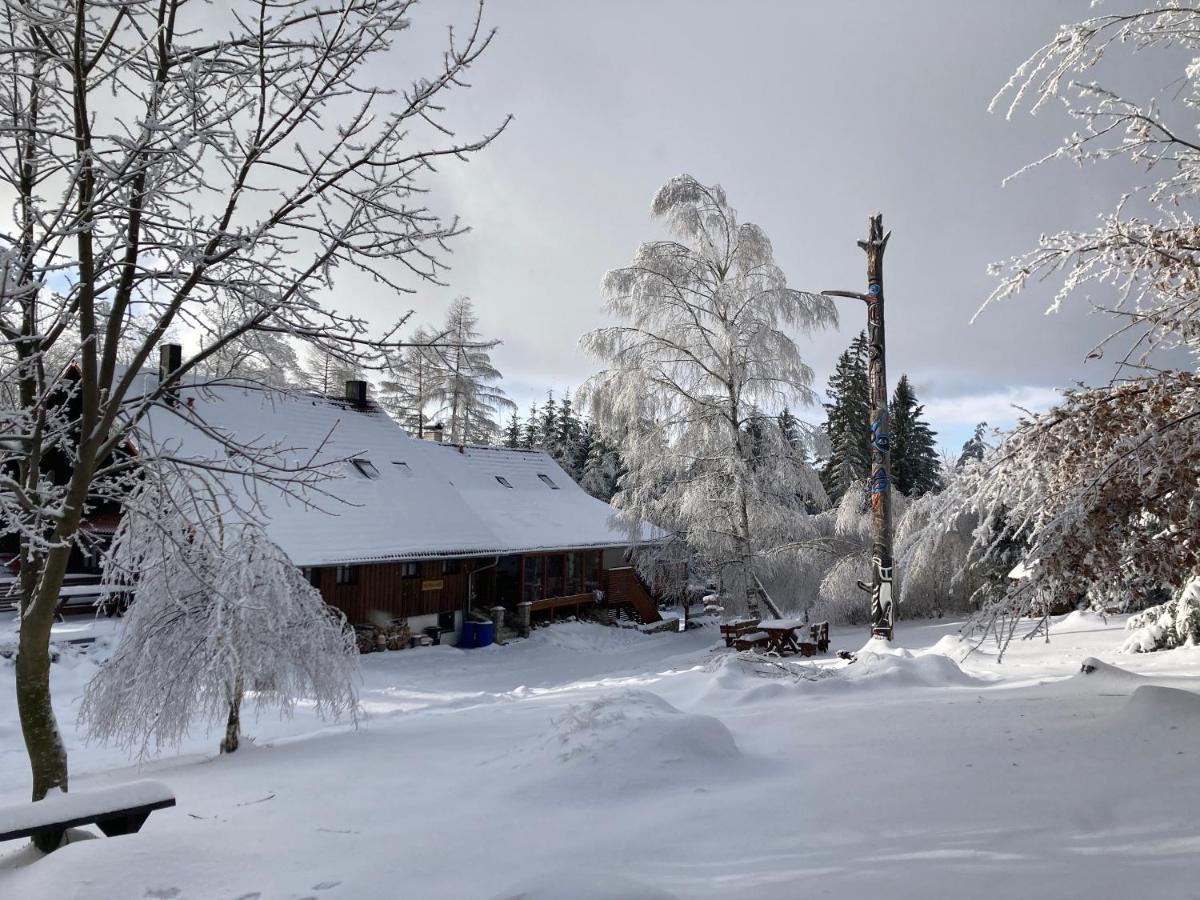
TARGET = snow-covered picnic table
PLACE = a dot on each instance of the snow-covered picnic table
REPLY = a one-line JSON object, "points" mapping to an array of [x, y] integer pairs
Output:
{"points": [[781, 635], [121, 809]]}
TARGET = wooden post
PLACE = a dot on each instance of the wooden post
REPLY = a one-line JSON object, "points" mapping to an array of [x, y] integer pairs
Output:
{"points": [[883, 616]]}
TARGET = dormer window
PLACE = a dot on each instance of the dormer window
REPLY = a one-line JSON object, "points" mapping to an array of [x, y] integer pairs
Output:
{"points": [[504, 481], [548, 481], [365, 468]]}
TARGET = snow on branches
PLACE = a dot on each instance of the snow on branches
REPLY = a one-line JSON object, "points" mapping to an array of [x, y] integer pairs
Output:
{"points": [[1147, 251], [1101, 491], [1175, 623], [219, 610], [700, 357]]}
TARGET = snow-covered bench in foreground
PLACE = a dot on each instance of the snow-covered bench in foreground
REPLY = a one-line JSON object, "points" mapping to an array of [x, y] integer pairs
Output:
{"points": [[115, 810]]}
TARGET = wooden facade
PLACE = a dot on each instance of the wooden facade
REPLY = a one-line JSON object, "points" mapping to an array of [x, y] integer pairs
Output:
{"points": [[395, 590], [375, 592]]}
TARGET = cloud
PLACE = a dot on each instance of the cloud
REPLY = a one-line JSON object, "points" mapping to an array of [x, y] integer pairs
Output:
{"points": [[999, 408]]}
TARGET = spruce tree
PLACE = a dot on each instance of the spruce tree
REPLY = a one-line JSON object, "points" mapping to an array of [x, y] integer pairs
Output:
{"points": [[848, 422], [973, 448], [530, 440], [914, 454], [513, 436], [547, 429]]}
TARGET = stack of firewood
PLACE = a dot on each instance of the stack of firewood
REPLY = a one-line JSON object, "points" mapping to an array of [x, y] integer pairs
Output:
{"points": [[396, 635]]}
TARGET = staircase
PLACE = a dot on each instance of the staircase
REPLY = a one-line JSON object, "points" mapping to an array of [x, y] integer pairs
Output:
{"points": [[626, 593]]}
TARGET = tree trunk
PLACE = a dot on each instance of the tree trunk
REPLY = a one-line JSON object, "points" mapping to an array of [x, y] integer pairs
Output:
{"points": [[233, 726], [39, 727]]}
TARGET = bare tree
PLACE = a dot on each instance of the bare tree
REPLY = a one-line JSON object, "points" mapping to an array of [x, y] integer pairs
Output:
{"points": [[162, 156]]}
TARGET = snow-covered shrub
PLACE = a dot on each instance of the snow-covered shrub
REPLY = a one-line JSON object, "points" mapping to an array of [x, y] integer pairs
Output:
{"points": [[1175, 623]]}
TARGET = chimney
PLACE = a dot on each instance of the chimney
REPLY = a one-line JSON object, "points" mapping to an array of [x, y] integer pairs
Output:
{"points": [[436, 433], [170, 358], [356, 393]]}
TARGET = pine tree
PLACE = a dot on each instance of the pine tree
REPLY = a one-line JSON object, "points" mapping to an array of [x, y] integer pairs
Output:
{"points": [[567, 435], [513, 436], [848, 422], [914, 454], [547, 429], [530, 438], [973, 448], [602, 469]]}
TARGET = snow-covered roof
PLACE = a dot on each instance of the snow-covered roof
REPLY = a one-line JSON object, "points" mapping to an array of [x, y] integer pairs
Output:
{"points": [[416, 499]]}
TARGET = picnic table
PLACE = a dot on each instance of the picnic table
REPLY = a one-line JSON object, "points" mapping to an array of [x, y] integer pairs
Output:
{"points": [[781, 635], [777, 636]]}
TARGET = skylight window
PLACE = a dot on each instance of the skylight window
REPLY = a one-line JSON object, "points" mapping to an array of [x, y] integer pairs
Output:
{"points": [[548, 481], [402, 467], [365, 468], [504, 481]]}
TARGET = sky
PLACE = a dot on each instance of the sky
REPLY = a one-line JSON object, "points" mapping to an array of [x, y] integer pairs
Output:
{"points": [[812, 116]]}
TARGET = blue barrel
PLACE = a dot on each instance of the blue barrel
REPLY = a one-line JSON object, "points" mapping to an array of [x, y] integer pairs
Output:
{"points": [[469, 636], [485, 633]]}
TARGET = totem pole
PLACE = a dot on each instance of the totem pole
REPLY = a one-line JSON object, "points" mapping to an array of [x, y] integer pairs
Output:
{"points": [[883, 616]]}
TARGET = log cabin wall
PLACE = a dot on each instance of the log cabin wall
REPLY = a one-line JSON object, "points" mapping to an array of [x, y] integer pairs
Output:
{"points": [[376, 591]]}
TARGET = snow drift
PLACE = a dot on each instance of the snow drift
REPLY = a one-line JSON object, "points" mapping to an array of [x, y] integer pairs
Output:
{"points": [[633, 739], [896, 667]]}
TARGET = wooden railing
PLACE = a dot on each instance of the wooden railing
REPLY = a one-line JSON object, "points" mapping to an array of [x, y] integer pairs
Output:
{"points": [[556, 602]]}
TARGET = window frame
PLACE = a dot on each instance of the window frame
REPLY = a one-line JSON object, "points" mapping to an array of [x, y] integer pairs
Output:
{"points": [[365, 468], [548, 481]]}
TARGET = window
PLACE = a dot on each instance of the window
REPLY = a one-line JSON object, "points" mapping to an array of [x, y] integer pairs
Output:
{"points": [[574, 573], [346, 575], [409, 570], [365, 468], [451, 566], [547, 480], [533, 579], [312, 576], [591, 570], [402, 467], [504, 481], [554, 575]]}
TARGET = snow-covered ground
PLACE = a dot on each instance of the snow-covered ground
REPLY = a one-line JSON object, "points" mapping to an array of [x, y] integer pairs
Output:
{"points": [[599, 763]]}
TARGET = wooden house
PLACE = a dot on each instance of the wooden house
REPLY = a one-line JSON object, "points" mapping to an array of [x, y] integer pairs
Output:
{"points": [[412, 529]]}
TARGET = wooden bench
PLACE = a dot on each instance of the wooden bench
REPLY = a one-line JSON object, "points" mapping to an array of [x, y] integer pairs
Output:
{"points": [[751, 640], [818, 633], [731, 631], [121, 809]]}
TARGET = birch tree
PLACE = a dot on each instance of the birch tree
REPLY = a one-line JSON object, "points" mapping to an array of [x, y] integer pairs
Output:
{"points": [[161, 156], [701, 350], [220, 610]]}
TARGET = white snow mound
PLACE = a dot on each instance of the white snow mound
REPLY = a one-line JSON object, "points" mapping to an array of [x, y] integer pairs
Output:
{"points": [[1099, 672], [633, 738], [901, 668], [1152, 706]]}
